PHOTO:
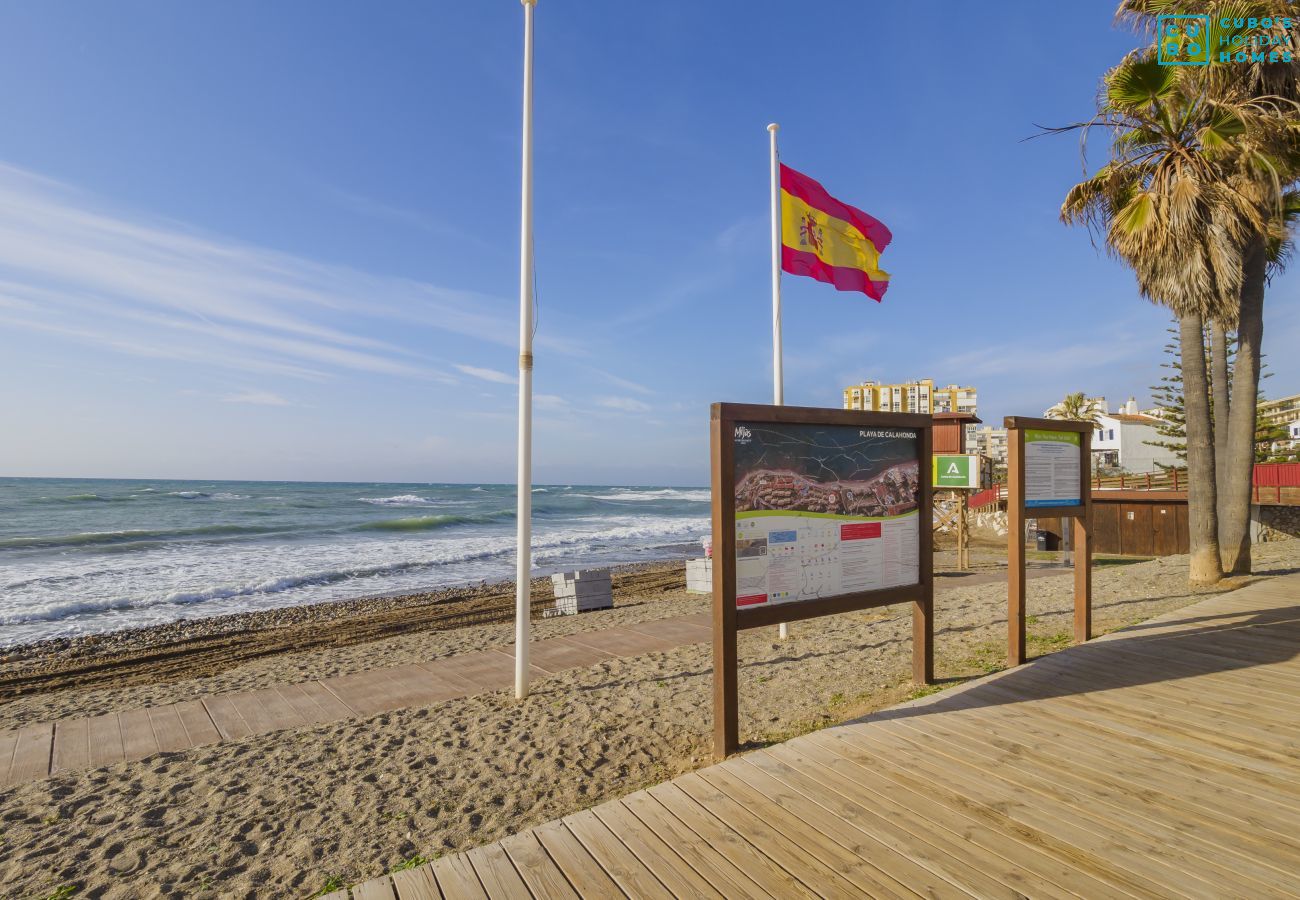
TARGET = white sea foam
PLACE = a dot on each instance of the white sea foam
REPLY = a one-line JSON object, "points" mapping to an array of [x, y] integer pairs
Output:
{"points": [[399, 500], [633, 495], [75, 594]]}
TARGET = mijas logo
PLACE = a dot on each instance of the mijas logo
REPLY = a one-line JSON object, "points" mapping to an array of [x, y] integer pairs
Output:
{"points": [[1192, 40], [743, 435]]}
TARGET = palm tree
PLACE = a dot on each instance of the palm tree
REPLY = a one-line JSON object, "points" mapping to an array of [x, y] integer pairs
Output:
{"points": [[1261, 163], [1075, 406], [1169, 208]]}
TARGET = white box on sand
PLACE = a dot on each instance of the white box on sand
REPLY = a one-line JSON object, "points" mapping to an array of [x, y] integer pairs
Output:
{"points": [[581, 591], [699, 576]]}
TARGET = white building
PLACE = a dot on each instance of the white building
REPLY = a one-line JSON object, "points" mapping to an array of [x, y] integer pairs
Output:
{"points": [[1121, 441], [990, 442]]}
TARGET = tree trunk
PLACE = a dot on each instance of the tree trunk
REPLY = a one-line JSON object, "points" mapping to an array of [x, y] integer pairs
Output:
{"points": [[1236, 483], [1219, 408], [1202, 494]]}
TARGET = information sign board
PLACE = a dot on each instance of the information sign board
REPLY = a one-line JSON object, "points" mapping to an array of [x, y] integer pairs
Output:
{"points": [[824, 510], [815, 512], [1052, 470]]}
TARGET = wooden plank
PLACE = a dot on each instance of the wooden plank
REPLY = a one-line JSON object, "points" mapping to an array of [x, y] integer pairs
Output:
{"points": [[265, 711], [496, 872], [456, 878], [623, 642], [683, 633], [226, 717], [304, 707], [1155, 798], [331, 707], [199, 727], [32, 751], [1220, 788], [417, 884], [721, 873], [168, 730], [958, 847], [71, 746], [557, 654], [535, 866], [578, 866], [376, 889], [138, 740], [849, 865], [277, 712], [775, 880], [368, 693], [620, 863], [490, 669], [8, 741], [105, 736], [1116, 840], [768, 835], [445, 670], [921, 858], [658, 857]]}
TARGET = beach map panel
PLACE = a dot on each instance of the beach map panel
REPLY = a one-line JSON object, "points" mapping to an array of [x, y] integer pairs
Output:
{"points": [[824, 510]]}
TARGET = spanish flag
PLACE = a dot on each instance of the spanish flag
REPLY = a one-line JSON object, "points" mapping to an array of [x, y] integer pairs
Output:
{"points": [[829, 240]]}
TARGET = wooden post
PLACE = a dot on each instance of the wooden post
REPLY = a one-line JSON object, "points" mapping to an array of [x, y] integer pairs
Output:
{"points": [[963, 535], [726, 694], [923, 606], [1015, 547], [1083, 551]]}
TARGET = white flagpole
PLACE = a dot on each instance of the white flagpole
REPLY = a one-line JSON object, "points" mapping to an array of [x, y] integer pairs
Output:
{"points": [[778, 386], [524, 477]]}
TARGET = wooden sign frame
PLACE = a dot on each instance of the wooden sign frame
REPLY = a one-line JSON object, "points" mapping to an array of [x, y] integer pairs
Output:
{"points": [[1017, 514], [728, 619]]}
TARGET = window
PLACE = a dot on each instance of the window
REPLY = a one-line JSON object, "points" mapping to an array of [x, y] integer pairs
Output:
{"points": [[1112, 435]]}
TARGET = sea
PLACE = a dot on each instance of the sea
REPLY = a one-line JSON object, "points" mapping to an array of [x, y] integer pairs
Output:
{"points": [[87, 556]]}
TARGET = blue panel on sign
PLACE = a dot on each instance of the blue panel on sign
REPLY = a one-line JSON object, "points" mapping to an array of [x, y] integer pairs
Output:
{"points": [[782, 537]]}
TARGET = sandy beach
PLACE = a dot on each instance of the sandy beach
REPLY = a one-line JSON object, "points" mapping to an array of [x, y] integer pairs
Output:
{"points": [[286, 814]]}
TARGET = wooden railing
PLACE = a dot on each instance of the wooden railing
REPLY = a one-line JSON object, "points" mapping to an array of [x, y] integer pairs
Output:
{"points": [[1166, 480]]}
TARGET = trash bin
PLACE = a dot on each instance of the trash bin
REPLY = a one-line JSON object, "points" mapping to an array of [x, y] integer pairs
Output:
{"points": [[1042, 540], [1048, 541]]}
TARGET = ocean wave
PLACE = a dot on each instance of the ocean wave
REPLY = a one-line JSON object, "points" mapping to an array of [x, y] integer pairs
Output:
{"points": [[256, 576], [427, 523], [632, 495], [82, 498], [89, 538], [399, 500]]}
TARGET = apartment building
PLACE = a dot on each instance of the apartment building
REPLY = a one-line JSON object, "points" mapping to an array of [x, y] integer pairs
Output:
{"points": [[911, 396]]}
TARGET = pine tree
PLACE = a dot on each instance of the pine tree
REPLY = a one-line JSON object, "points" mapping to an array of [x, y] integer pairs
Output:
{"points": [[1168, 396]]}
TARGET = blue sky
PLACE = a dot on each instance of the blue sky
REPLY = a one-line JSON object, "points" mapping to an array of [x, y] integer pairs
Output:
{"points": [[280, 240]]}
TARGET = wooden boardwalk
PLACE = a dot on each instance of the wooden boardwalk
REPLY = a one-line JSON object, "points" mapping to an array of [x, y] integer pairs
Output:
{"points": [[70, 745], [45, 749], [1161, 761]]}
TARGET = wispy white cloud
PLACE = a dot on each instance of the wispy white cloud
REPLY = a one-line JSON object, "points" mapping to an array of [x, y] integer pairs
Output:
{"points": [[256, 398], [619, 381], [623, 404], [142, 286], [486, 374]]}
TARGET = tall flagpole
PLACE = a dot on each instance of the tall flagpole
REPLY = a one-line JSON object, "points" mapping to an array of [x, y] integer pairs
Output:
{"points": [[524, 478], [778, 387]]}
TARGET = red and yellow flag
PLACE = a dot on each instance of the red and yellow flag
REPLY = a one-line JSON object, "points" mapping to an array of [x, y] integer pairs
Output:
{"points": [[829, 240]]}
